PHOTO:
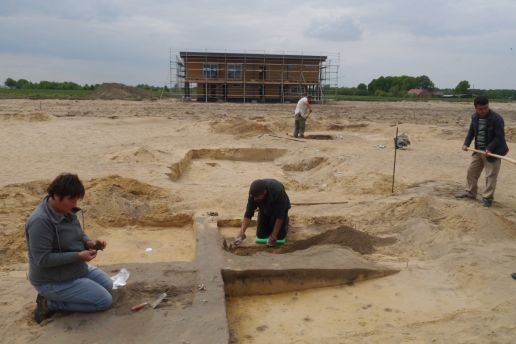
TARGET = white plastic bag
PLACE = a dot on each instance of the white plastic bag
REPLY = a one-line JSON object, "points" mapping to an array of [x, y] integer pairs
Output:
{"points": [[120, 279]]}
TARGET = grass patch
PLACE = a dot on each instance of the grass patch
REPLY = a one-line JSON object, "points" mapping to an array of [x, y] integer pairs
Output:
{"points": [[45, 94]]}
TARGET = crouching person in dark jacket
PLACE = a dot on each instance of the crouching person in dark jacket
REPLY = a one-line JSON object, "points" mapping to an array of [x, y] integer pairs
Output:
{"points": [[59, 250], [270, 197]]}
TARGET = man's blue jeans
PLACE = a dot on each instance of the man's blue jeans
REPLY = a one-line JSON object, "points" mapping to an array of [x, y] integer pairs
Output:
{"points": [[87, 294]]}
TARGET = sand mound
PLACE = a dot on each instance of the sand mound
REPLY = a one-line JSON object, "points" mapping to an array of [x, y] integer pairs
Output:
{"points": [[120, 91], [305, 164], [420, 207], [240, 127], [510, 134], [111, 201], [117, 201], [27, 117], [16, 203], [140, 154]]}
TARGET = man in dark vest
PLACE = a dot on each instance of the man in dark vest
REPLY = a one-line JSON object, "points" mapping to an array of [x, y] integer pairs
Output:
{"points": [[270, 197], [487, 128]]}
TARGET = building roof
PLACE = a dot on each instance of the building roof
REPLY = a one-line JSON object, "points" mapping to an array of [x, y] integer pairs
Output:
{"points": [[184, 54]]}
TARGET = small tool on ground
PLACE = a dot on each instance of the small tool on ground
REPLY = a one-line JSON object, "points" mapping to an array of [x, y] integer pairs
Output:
{"points": [[153, 304]]}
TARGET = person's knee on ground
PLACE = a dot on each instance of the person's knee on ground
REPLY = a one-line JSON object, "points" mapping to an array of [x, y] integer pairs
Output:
{"points": [[104, 303]]}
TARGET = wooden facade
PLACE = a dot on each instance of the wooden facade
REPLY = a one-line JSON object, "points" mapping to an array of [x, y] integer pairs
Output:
{"points": [[242, 77]]}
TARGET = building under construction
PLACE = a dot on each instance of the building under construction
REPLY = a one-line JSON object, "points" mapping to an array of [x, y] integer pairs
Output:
{"points": [[251, 77]]}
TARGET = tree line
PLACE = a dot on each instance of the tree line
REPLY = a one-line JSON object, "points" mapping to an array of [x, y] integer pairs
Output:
{"points": [[398, 86], [23, 84]]}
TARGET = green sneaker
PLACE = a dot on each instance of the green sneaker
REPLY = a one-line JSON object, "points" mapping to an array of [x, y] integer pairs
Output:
{"points": [[42, 312]]}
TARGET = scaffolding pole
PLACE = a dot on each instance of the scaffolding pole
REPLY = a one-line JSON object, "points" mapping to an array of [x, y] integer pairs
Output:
{"points": [[257, 76]]}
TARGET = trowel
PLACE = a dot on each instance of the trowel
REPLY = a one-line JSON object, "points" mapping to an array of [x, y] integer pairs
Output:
{"points": [[153, 304]]}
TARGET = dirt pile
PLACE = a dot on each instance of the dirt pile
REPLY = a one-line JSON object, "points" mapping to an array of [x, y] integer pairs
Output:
{"points": [[118, 201], [240, 127], [120, 91], [510, 134], [27, 117], [16, 203], [110, 201], [304, 165], [140, 154]]}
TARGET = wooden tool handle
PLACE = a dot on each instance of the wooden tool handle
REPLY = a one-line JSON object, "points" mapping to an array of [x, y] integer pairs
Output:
{"points": [[139, 306], [493, 155]]}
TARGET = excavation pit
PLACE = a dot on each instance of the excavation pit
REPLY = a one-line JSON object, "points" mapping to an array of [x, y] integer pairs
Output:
{"points": [[319, 137], [204, 166], [342, 236], [135, 244], [178, 297]]}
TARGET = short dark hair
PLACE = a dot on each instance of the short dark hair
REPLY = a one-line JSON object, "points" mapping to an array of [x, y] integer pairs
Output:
{"points": [[66, 185], [257, 187], [481, 100]]}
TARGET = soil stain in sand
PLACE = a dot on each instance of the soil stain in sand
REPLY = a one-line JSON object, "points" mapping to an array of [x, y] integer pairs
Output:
{"points": [[358, 241]]}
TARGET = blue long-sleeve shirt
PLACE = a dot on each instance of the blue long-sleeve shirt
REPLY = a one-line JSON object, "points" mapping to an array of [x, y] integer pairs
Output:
{"points": [[53, 244]]}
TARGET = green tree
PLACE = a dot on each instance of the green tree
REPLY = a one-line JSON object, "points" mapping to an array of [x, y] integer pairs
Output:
{"points": [[462, 87], [9, 82], [23, 83], [362, 87], [424, 82]]}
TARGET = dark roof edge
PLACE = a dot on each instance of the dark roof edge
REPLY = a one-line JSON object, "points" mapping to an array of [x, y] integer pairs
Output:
{"points": [[273, 56]]}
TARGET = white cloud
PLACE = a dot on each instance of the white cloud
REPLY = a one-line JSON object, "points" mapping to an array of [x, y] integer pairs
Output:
{"points": [[129, 40]]}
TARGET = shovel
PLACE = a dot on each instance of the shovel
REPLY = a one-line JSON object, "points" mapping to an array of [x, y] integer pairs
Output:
{"points": [[153, 304]]}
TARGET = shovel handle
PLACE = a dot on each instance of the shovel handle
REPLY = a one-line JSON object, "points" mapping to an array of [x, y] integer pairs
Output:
{"points": [[139, 306], [493, 155]]}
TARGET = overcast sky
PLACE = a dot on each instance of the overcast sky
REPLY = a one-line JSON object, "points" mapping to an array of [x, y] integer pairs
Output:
{"points": [[129, 41]]}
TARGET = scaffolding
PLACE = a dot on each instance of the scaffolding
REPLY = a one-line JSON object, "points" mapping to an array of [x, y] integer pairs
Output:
{"points": [[256, 77]]}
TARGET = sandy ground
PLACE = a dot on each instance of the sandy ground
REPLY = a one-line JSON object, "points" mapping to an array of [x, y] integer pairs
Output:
{"points": [[149, 166]]}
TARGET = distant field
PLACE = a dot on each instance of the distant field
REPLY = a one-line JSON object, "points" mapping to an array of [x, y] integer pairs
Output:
{"points": [[45, 94], [56, 94]]}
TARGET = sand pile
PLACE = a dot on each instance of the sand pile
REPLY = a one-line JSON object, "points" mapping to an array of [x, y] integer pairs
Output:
{"points": [[240, 127], [27, 117], [110, 201], [118, 201], [16, 203], [510, 134], [120, 91], [140, 154], [304, 165]]}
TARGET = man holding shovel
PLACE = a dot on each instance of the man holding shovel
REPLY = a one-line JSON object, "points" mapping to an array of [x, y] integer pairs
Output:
{"points": [[487, 128], [270, 197]]}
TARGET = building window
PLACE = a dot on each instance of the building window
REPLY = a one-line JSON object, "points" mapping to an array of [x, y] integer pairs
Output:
{"points": [[210, 71], [234, 71]]}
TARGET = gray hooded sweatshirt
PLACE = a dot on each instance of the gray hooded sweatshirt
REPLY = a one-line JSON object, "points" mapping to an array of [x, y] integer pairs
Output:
{"points": [[53, 244]]}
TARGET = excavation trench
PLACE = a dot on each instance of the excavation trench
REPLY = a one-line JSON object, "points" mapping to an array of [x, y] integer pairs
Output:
{"points": [[230, 154], [328, 259]]}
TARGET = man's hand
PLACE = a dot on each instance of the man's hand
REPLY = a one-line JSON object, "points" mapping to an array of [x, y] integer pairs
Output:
{"points": [[96, 244], [464, 148], [487, 153], [272, 241], [240, 237], [87, 255]]}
